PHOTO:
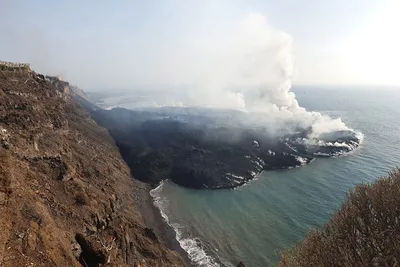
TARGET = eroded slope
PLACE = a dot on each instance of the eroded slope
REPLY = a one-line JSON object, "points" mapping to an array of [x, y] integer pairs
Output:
{"points": [[66, 196]]}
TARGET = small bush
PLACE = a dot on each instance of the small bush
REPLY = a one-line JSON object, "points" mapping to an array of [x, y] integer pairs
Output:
{"points": [[365, 231], [81, 199]]}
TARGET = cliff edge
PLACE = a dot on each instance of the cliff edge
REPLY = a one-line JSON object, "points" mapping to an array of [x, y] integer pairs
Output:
{"points": [[66, 195]]}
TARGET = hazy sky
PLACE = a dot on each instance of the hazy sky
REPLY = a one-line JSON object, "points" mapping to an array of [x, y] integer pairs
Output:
{"points": [[125, 44]]}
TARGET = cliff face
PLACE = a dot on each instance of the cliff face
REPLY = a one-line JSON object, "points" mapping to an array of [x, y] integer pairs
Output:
{"points": [[66, 195]]}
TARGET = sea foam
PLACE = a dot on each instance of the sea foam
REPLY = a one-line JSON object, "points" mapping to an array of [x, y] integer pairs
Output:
{"points": [[191, 245]]}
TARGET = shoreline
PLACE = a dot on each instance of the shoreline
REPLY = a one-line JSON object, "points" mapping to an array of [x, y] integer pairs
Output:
{"points": [[153, 219]]}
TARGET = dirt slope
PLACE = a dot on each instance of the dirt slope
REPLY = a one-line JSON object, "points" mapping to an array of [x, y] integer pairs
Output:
{"points": [[66, 196]]}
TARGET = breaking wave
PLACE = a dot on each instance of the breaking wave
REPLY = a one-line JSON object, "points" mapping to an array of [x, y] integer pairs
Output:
{"points": [[191, 245]]}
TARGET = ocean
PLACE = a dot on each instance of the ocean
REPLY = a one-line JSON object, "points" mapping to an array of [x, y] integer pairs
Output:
{"points": [[253, 223]]}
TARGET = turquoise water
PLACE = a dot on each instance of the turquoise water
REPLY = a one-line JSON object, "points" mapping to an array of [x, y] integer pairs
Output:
{"points": [[254, 222]]}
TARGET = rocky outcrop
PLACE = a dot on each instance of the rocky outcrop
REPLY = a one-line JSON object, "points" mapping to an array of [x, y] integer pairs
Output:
{"points": [[66, 195]]}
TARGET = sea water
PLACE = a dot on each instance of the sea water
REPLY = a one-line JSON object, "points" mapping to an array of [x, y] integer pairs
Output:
{"points": [[255, 222]]}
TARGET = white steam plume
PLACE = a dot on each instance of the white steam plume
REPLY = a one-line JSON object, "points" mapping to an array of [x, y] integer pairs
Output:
{"points": [[249, 67]]}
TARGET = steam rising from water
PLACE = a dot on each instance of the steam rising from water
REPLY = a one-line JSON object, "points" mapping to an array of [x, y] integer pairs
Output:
{"points": [[252, 71], [249, 69], [261, 63]]}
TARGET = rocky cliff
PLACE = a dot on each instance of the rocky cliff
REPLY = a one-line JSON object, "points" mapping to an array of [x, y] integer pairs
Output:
{"points": [[66, 195]]}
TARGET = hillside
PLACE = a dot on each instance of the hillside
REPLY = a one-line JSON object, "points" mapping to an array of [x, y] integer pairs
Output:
{"points": [[365, 231], [66, 195]]}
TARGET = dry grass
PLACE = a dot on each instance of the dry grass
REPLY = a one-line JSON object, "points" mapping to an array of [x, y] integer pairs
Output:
{"points": [[365, 231]]}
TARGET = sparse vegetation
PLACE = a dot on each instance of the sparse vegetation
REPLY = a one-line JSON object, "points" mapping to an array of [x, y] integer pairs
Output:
{"points": [[365, 231], [11, 66], [46, 144], [81, 199]]}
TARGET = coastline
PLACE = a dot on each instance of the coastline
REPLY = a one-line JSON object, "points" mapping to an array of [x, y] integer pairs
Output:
{"points": [[153, 219]]}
